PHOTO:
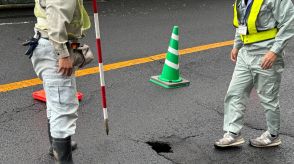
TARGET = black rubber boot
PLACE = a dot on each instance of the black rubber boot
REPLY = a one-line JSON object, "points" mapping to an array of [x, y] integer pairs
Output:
{"points": [[62, 150], [74, 145]]}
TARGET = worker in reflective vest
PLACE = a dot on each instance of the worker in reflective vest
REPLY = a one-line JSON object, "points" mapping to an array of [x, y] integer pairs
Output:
{"points": [[59, 25], [263, 28]]}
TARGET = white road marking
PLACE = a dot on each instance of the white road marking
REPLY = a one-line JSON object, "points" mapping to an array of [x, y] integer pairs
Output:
{"points": [[14, 23]]}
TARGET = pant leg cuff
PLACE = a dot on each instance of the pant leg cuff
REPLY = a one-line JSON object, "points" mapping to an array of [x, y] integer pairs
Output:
{"points": [[273, 132]]}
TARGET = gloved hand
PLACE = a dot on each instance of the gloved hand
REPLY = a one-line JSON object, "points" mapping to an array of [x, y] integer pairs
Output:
{"points": [[32, 43]]}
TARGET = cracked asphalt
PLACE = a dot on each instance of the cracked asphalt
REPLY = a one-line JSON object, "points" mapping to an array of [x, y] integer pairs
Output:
{"points": [[189, 119]]}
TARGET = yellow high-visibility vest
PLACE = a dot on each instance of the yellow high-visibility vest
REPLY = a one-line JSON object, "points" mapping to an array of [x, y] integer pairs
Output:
{"points": [[254, 35], [83, 21]]}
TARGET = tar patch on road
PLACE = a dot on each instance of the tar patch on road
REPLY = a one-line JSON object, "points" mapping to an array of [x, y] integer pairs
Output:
{"points": [[160, 147]]}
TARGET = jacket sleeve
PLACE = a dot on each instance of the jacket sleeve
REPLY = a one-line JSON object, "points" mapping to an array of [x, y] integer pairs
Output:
{"points": [[237, 41], [283, 12], [59, 13]]}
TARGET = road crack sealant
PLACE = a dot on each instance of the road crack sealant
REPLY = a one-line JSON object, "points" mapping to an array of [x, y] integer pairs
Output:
{"points": [[4, 118], [171, 160]]}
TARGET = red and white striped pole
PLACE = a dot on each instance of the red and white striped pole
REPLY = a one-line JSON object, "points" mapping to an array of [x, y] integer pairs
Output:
{"points": [[99, 54]]}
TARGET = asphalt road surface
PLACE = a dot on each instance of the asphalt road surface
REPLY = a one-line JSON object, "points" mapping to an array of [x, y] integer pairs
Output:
{"points": [[181, 124]]}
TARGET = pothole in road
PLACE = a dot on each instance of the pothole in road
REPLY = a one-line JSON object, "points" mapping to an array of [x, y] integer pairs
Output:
{"points": [[160, 147]]}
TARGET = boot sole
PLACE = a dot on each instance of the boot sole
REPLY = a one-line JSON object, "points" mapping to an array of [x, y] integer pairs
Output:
{"points": [[279, 142], [237, 143]]}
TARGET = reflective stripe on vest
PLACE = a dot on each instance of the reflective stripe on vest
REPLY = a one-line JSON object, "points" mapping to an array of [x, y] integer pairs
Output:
{"points": [[40, 13], [254, 35]]}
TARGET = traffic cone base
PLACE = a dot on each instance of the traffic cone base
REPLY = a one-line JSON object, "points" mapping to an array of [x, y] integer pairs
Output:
{"points": [[170, 84], [40, 95], [170, 81]]}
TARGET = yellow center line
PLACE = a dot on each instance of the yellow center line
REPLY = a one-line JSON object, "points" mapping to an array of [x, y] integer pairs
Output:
{"points": [[88, 71]]}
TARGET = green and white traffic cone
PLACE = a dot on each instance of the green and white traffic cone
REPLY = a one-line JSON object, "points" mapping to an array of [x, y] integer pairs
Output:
{"points": [[170, 76]]}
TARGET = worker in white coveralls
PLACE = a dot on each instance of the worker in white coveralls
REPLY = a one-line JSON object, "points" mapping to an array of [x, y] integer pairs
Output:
{"points": [[263, 28], [60, 23]]}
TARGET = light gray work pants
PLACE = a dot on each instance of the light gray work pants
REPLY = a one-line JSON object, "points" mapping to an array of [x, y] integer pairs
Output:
{"points": [[62, 103], [248, 74]]}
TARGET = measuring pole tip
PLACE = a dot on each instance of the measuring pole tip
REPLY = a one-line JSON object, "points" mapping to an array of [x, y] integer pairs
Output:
{"points": [[106, 126]]}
